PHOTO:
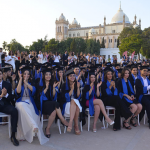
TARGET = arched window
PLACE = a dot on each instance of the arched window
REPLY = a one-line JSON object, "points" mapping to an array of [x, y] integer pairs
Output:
{"points": [[60, 28], [78, 34]]}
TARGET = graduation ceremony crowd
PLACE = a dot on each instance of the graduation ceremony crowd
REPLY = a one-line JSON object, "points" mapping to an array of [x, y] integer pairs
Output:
{"points": [[56, 86]]}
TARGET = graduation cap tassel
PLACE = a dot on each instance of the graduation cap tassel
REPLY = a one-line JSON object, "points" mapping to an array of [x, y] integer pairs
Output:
{"points": [[67, 88], [41, 81], [57, 76], [20, 72], [88, 80]]}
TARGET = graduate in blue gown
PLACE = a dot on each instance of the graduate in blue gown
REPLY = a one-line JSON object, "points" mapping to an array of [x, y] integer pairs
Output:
{"points": [[127, 94]]}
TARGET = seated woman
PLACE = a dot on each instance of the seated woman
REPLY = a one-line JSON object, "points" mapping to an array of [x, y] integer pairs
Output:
{"points": [[92, 99], [47, 96], [28, 115], [70, 94], [59, 77], [110, 98], [126, 93]]}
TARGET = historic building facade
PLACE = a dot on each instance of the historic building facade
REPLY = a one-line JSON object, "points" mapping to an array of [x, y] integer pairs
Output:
{"points": [[109, 32]]}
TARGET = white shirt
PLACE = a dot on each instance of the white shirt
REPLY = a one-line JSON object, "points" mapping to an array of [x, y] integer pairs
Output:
{"points": [[87, 57], [101, 59], [40, 58], [112, 59], [0, 57], [56, 58], [97, 62], [145, 81], [1, 89], [135, 77]]}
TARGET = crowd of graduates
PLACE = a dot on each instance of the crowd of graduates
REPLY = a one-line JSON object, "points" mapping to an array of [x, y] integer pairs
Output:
{"points": [[56, 90]]}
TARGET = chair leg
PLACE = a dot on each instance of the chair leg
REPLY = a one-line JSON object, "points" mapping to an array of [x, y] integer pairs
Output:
{"points": [[81, 125], [104, 123], [121, 122], [65, 127], [42, 121], [58, 123], [138, 120], [88, 121], [145, 117], [108, 116]]}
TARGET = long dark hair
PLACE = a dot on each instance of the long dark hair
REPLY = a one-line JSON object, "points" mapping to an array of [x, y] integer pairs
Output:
{"points": [[95, 83], [51, 82], [123, 72], [105, 76], [29, 80], [75, 87]]}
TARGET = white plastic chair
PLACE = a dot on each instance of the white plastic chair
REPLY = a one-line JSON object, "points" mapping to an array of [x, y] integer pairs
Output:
{"points": [[108, 108], [145, 116], [58, 123], [67, 118], [113, 108], [9, 123], [87, 110]]}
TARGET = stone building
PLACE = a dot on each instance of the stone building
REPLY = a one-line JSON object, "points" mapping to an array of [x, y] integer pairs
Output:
{"points": [[109, 32]]}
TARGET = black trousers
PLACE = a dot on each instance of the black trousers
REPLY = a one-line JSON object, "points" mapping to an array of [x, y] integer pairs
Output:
{"points": [[13, 112], [120, 109], [146, 104]]}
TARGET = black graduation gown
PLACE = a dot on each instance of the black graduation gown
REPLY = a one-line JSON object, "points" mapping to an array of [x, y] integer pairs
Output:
{"points": [[114, 100], [143, 99], [131, 81], [48, 106], [64, 99], [120, 90]]}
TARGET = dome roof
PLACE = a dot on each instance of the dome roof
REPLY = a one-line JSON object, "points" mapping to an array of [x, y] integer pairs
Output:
{"points": [[135, 26], [92, 30], [74, 21], [118, 17], [62, 17]]}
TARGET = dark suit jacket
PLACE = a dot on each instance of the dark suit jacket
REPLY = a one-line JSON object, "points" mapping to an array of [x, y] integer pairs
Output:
{"points": [[65, 57], [8, 87]]}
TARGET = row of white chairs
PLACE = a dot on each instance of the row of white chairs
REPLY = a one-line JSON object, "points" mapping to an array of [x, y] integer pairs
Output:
{"points": [[108, 108]]}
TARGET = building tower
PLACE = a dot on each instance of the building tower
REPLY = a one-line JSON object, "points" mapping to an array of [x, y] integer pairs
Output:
{"points": [[61, 28]]}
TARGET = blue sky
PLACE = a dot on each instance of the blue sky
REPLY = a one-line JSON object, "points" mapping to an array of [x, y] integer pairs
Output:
{"points": [[29, 20]]}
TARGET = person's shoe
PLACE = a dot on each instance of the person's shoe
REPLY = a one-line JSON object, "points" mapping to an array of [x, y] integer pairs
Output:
{"points": [[47, 135], [94, 130], [69, 129], [110, 123], [131, 122], [14, 141], [128, 127]]}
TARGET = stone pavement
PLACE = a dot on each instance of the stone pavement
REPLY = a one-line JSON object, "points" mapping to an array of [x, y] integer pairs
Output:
{"points": [[105, 139]]}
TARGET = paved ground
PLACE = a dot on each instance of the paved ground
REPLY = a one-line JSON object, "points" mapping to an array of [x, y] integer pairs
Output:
{"points": [[105, 139]]}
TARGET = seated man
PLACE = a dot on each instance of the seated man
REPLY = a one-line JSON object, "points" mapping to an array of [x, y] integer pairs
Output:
{"points": [[6, 107], [142, 85]]}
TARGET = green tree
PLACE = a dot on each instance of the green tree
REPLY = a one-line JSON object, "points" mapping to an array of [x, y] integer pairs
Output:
{"points": [[103, 43], [145, 48], [118, 42], [52, 46], [4, 45], [131, 44], [73, 46], [128, 31]]}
